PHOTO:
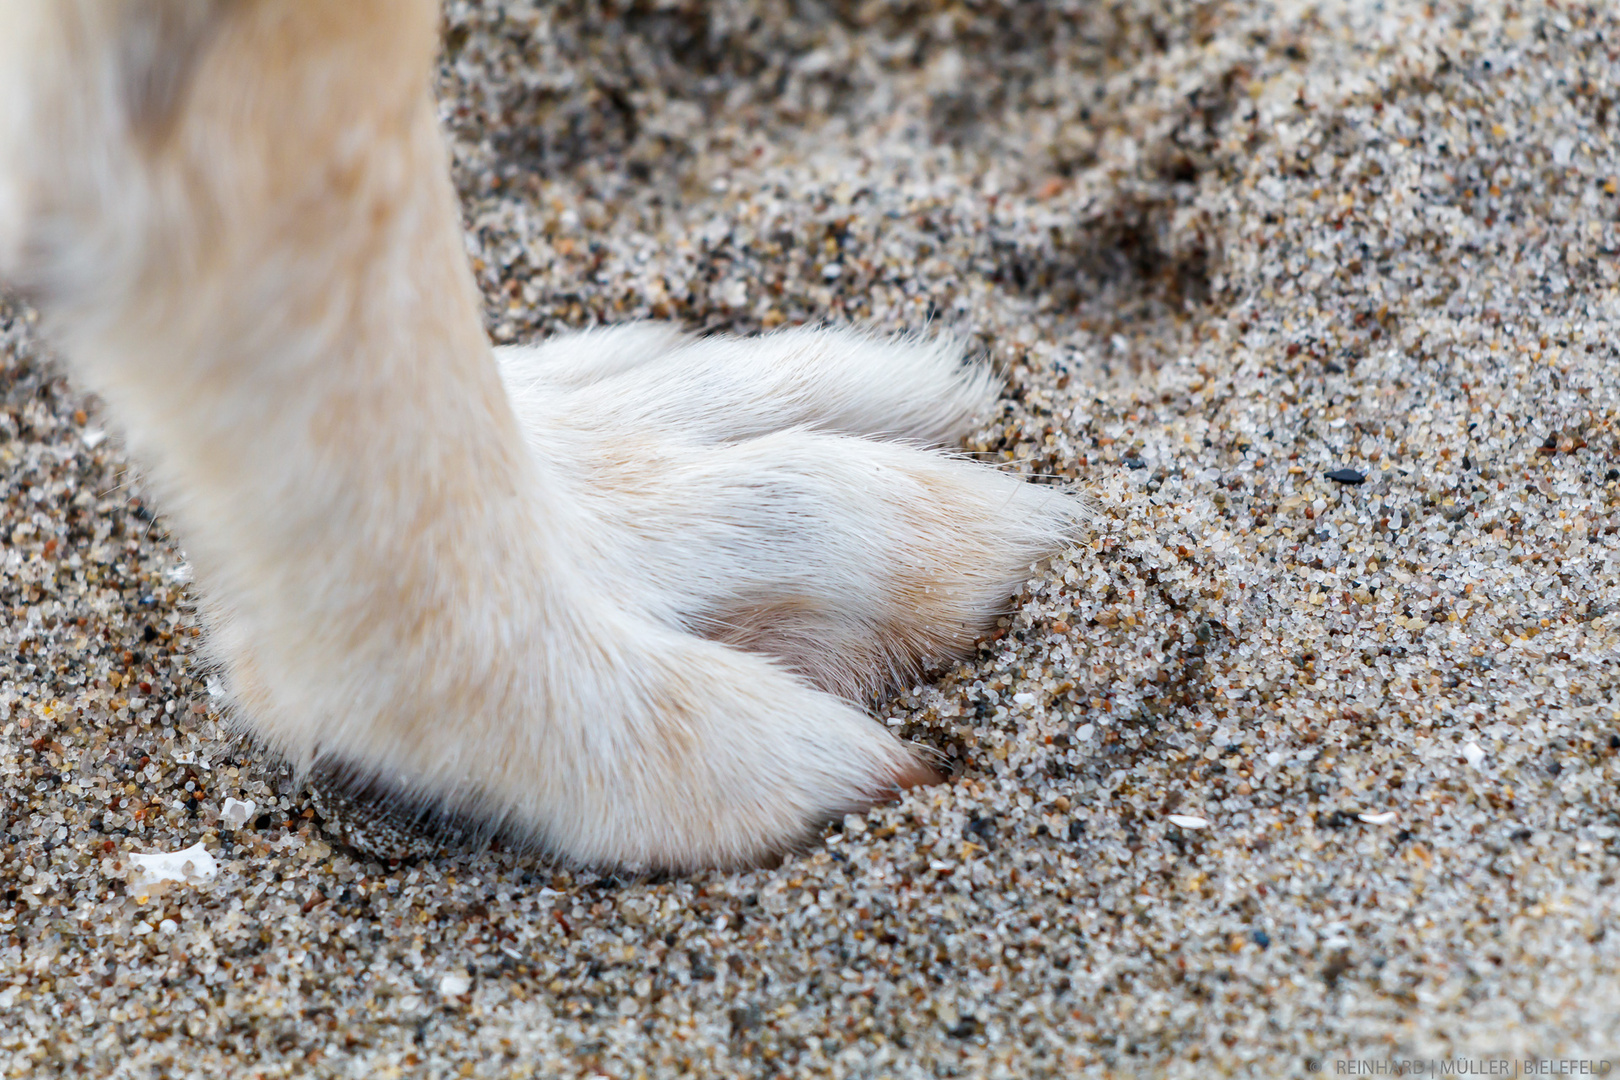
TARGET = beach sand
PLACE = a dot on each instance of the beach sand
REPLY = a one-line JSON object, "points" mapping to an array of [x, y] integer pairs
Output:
{"points": [[1275, 773]]}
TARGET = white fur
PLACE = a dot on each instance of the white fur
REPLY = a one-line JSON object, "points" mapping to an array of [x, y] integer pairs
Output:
{"points": [[625, 619]]}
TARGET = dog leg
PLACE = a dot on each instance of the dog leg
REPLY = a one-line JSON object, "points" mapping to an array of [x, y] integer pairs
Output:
{"points": [[237, 220]]}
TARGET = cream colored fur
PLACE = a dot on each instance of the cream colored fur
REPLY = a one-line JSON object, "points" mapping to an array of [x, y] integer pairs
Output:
{"points": [[614, 594]]}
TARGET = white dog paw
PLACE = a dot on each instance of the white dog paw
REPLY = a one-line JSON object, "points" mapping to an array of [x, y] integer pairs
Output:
{"points": [[770, 495], [730, 477]]}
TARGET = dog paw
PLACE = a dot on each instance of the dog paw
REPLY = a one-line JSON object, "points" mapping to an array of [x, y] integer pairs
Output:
{"points": [[730, 476], [746, 537]]}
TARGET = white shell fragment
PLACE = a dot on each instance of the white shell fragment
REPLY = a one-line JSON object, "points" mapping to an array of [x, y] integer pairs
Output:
{"points": [[190, 866], [1383, 818], [1189, 821], [454, 984], [1473, 754], [235, 813]]}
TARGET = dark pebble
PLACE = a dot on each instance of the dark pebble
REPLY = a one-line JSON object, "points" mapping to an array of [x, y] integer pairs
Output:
{"points": [[1347, 476]]}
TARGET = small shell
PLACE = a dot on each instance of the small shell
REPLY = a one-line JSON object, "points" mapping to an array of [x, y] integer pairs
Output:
{"points": [[192, 866]]}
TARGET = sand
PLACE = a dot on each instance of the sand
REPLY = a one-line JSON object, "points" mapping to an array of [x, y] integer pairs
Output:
{"points": [[1276, 773]]}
